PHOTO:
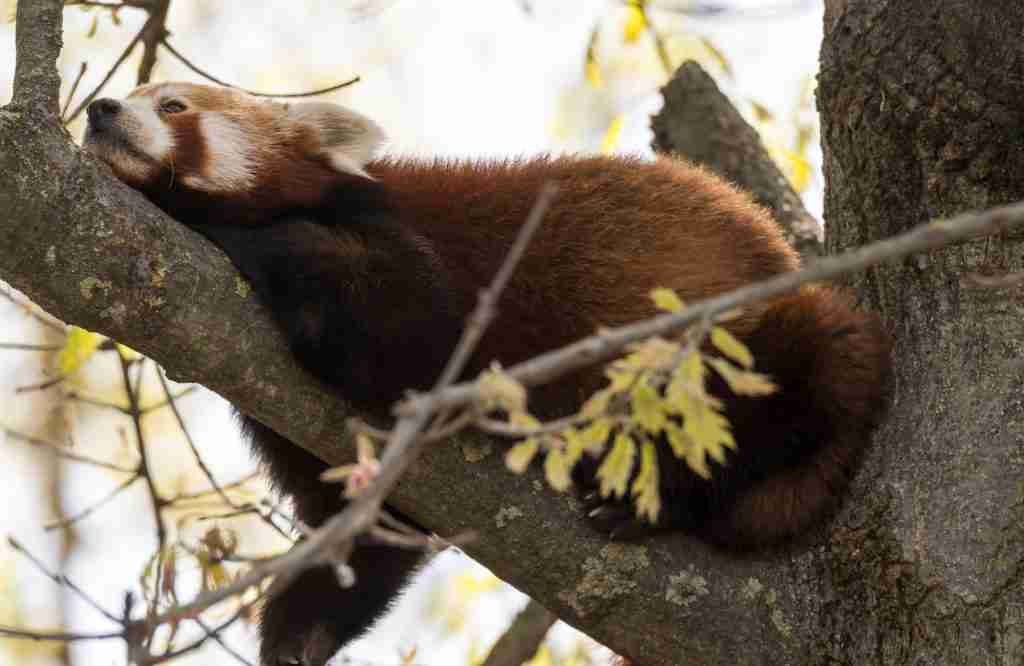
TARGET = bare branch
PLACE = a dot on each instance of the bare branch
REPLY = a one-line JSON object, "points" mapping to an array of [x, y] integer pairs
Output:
{"points": [[62, 452], [63, 637], [609, 343], [521, 640], [74, 88], [210, 77], [62, 580], [699, 123], [155, 32], [36, 81], [110, 72], [67, 521]]}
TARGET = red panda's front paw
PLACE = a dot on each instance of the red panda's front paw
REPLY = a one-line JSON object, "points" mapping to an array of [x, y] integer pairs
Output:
{"points": [[313, 647], [296, 625], [616, 518]]}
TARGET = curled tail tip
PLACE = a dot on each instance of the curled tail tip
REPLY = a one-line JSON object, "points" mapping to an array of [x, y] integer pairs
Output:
{"points": [[832, 364]]}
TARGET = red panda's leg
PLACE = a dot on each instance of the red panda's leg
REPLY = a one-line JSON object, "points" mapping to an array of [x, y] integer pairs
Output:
{"points": [[314, 617]]}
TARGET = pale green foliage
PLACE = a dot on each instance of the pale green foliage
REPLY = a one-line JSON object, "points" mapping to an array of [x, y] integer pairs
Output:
{"points": [[656, 392]]}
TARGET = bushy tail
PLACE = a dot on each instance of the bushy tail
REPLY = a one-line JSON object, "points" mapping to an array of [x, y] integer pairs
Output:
{"points": [[799, 447]]}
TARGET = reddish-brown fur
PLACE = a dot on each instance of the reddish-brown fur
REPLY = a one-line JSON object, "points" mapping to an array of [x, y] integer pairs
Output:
{"points": [[372, 281]]}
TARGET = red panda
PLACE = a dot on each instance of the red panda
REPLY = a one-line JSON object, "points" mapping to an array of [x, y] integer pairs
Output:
{"points": [[370, 267]]}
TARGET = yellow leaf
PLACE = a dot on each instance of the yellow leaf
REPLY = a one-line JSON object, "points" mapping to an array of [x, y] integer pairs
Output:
{"points": [[597, 404], [645, 487], [762, 113], [678, 440], [498, 390], [709, 432], [796, 168], [687, 379], [595, 435], [542, 658], [648, 410], [524, 420], [338, 474], [636, 23], [127, 352], [666, 299], [365, 450], [612, 134], [717, 56], [79, 345], [8, 10], [593, 74], [617, 466], [558, 469], [591, 70], [743, 382], [521, 455], [729, 345], [574, 446]]}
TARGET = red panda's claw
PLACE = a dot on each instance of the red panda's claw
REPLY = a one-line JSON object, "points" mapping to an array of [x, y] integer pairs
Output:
{"points": [[617, 520]]}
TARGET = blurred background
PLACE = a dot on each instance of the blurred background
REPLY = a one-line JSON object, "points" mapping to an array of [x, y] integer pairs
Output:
{"points": [[463, 78]]}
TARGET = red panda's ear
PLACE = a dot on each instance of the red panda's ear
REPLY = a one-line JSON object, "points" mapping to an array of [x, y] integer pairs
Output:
{"points": [[348, 139]]}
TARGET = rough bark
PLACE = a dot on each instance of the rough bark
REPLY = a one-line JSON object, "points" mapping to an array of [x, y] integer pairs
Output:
{"points": [[699, 123], [921, 109], [95, 253]]}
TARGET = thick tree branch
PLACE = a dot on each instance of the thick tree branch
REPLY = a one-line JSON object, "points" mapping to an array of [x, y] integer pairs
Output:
{"points": [[701, 124], [94, 252], [38, 40]]}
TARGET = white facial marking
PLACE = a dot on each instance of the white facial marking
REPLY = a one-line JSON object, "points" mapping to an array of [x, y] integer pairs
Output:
{"points": [[229, 165], [150, 134]]}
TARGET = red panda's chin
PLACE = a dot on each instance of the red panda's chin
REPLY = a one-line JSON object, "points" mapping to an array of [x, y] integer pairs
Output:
{"points": [[129, 164]]}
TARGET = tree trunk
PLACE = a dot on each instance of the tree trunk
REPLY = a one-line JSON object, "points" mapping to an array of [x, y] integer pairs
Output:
{"points": [[922, 117]]}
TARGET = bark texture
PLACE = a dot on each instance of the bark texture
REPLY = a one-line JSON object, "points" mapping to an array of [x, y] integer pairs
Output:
{"points": [[927, 555], [95, 253], [699, 123], [922, 117]]}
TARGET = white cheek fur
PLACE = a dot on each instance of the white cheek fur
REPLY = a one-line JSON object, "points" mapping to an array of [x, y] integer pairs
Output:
{"points": [[154, 138], [229, 165]]}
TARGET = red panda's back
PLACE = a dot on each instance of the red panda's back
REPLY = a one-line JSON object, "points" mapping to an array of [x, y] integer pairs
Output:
{"points": [[618, 227]]}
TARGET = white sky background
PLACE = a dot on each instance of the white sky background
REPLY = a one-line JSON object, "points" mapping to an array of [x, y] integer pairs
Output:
{"points": [[455, 78]]}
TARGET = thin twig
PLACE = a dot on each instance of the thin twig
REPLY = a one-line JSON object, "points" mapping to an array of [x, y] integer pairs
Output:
{"points": [[609, 343], [41, 386], [74, 88], [61, 579], [110, 73], [210, 77], [156, 31], [523, 638], [64, 637], [18, 346], [163, 403], [92, 508], [32, 310], [62, 452]]}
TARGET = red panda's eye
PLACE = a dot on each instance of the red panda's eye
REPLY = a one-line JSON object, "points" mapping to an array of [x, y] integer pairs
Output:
{"points": [[172, 106]]}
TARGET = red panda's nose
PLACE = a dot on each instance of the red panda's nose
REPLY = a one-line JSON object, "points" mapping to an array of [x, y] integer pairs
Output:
{"points": [[102, 111]]}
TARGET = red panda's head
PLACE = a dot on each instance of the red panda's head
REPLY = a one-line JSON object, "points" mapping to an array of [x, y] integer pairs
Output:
{"points": [[197, 149]]}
